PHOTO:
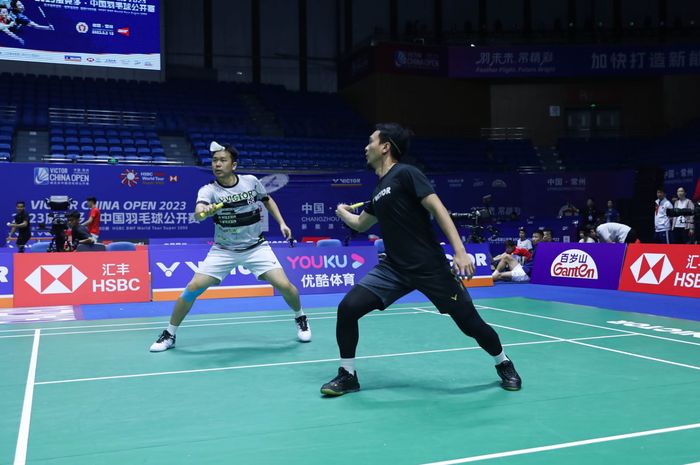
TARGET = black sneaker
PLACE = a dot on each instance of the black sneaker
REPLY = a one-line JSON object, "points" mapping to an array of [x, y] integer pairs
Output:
{"points": [[341, 384], [510, 380], [164, 342]]}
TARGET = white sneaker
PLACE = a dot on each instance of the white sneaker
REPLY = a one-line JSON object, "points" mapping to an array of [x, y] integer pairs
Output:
{"points": [[303, 329], [164, 342]]}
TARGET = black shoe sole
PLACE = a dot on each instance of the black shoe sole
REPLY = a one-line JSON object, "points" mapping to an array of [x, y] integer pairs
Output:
{"points": [[331, 392], [511, 388]]}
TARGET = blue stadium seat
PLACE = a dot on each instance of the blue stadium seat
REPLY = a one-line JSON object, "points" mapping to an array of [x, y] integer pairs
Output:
{"points": [[39, 247], [120, 246], [329, 243]]}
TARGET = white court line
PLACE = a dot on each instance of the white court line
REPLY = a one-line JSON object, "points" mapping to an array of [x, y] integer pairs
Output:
{"points": [[190, 325], [195, 319], [23, 436], [534, 315], [565, 445], [306, 362], [607, 349]]}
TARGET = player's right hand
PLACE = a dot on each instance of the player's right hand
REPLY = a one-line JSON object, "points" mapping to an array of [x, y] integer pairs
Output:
{"points": [[343, 207]]}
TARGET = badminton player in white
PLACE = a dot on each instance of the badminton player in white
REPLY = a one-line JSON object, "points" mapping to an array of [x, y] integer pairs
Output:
{"points": [[232, 200]]}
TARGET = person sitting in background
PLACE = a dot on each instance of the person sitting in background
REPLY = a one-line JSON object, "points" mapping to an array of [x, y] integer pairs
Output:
{"points": [[547, 235], [568, 210], [523, 241], [520, 254], [519, 272], [613, 233], [590, 213], [611, 213], [584, 237], [78, 232]]}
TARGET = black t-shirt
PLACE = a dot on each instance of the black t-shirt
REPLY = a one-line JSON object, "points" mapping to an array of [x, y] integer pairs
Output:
{"points": [[409, 239], [79, 233], [19, 219]]}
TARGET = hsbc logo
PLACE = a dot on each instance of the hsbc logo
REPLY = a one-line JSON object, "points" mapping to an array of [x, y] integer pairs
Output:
{"points": [[651, 268], [56, 279]]}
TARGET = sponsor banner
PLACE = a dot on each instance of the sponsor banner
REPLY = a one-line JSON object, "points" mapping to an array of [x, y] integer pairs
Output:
{"points": [[322, 270], [482, 261], [578, 264], [47, 279], [409, 59], [312, 270], [584, 60], [685, 175], [122, 34], [6, 280], [172, 267], [662, 269]]}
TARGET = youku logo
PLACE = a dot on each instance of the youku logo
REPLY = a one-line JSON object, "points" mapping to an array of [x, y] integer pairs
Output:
{"points": [[574, 263], [318, 262]]}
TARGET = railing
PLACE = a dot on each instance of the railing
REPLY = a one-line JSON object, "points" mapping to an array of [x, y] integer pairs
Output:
{"points": [[504, 133], [101, 118], [8, 113]]}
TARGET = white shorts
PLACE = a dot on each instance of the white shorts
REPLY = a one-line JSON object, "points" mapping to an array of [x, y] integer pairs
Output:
{"points": [[258, 260], [518, 275]]}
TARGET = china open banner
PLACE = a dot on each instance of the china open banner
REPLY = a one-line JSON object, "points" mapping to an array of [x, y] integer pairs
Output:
{"points": [[313, 270], [662, 269], [49, 279], [119, 34], [578, 264], [6, 279], [570, 61], [685, 175]]}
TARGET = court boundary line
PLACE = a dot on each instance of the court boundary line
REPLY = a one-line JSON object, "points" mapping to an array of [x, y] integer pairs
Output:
{"points": [[566, 445], [192, 319], [306, 362], [534, 315], [190, 325], [607, 349], [25, 420]]}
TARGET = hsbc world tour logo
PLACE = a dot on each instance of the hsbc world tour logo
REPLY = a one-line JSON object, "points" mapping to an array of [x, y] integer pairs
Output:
{"points": [[651, 268], [56, 279], [129, 178]]}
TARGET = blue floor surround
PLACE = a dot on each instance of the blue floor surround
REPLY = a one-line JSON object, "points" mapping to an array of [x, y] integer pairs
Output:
{"points": [[669, 306]]}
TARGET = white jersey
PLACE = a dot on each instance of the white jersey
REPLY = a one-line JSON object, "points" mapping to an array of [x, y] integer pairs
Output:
{"points": [[524, 244], [613, 232], [661, 220], [237, 224]]}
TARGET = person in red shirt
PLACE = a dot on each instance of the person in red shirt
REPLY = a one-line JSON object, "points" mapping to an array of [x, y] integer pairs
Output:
{"points": [[93, 222], [512, 259], [696, 196]]}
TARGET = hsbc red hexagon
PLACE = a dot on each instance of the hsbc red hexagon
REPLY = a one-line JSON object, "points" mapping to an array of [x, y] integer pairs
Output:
{"points": [[80, 278], [662, 269]]}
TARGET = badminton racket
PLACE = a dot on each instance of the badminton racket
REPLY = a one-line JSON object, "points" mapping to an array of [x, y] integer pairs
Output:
{"points": [[271, 183]]}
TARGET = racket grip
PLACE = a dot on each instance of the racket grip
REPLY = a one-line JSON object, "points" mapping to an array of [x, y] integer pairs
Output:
{"points": [[358, 205], [202, 215]]}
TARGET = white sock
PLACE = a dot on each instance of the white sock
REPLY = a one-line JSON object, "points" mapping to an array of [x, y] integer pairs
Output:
{"points": [[500, 358], [298, 313], [172, 329], [348, 364]]}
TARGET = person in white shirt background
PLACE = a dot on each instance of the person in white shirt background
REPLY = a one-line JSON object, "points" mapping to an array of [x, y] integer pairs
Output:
{"points": [[662, 223]]}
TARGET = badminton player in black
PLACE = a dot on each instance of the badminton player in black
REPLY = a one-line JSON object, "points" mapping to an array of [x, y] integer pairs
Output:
{"points": [[403, 203]]}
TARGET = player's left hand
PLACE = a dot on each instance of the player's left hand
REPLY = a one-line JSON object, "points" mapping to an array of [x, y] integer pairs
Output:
{"points": [[286, 232], [463, 264]]}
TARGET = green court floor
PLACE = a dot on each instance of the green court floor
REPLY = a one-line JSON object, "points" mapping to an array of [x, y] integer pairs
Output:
{"points": [[239, 389]]}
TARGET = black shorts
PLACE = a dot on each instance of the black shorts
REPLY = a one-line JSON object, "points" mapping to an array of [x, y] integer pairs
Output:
{"points": [[444, 289], [22, 239]]}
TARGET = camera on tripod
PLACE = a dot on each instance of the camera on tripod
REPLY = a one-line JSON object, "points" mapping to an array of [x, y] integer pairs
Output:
{"points": [[675, 212], [473, 221], [58, 204]]}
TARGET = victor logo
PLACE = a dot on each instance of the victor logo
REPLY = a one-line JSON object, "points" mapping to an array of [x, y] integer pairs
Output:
{"points": [[574, 263]]}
